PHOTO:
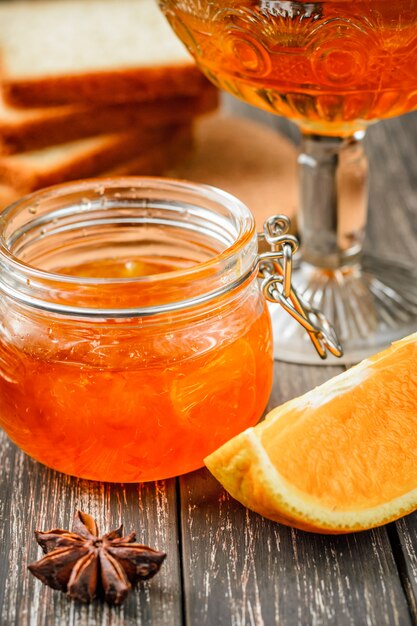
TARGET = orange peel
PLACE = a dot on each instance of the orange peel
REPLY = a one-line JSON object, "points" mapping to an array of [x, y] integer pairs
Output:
{"points": [[339, 459]]}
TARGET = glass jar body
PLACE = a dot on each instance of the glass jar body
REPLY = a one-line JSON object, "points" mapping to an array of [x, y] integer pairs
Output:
{"points": [[133, 398], [133, 401]]}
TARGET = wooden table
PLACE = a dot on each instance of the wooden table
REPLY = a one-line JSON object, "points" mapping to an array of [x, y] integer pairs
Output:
{"points": [[226, 565]]}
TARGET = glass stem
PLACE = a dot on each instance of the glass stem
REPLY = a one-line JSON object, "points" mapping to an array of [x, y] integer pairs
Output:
{"points": [[333, 199]]}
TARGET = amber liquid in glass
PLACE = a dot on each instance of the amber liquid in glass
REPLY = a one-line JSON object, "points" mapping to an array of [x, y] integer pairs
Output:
{"points": [[331, 66], [133, 401]]}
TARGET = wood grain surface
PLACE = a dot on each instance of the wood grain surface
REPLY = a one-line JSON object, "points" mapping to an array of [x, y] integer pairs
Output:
{"points": [[226, 565], [255, 572], [33, 496]]}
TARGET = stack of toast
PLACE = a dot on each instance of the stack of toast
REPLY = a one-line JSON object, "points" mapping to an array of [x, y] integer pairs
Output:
{"points": [[92, 88]]}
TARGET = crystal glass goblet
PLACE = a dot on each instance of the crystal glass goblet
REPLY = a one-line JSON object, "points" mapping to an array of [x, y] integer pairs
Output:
{"points": [[333, 67]]}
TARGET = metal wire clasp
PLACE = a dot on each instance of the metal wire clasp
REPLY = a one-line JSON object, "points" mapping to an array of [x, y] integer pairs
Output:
{"points": [[275, 269]]}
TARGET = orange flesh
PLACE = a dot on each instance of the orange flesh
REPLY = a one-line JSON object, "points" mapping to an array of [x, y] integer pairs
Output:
{"points": [[312, 448], [330, 66], [133, 402]]}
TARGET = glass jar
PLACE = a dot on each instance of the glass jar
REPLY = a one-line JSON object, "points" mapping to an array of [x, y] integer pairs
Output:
{"points": [[134, 338]]}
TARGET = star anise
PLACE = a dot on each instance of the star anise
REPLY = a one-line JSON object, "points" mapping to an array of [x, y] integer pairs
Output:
{"points": [[86, 565]]}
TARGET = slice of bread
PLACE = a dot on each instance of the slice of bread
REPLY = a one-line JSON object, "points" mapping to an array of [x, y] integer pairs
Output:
{"points": [[22, 130], [157, 159], [66, 51], [79, 159]]}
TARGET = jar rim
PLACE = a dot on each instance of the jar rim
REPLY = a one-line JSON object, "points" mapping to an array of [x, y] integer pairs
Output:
{"points": [[25, 282]]}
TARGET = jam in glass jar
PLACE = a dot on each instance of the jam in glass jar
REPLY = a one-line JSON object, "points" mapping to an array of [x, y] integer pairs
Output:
{"points": [[134, 338]]}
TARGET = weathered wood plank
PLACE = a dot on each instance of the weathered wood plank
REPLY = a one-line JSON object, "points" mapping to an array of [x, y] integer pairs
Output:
{"points": [[403, 535], [393, 151], [34, 497], [255, 572], [258, 573], [392, 226]]}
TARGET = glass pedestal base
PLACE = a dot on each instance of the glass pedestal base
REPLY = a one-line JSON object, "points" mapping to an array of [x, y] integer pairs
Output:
{"points": [[370, 307]]}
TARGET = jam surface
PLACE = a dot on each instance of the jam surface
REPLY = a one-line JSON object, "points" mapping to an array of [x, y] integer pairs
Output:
{"points": [[137, 399]]}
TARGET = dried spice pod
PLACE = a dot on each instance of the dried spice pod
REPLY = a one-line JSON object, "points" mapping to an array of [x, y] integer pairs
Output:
{"points": [[87, 566]]}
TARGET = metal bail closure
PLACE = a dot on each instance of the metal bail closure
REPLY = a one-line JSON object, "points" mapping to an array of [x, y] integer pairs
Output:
{"points": [[275, 268]]}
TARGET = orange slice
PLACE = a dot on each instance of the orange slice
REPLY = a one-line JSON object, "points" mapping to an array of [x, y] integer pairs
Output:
{"points": [[339, 459]]}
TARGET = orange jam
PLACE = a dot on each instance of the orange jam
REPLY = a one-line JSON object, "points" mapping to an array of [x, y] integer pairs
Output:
{"points": [[332, 66], [133, 398]]}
